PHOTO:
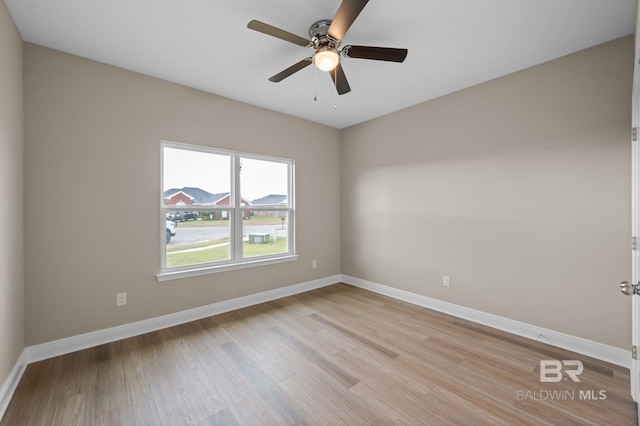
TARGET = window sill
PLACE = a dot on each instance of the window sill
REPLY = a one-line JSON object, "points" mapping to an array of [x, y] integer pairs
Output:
{"points": [[194, 272]]}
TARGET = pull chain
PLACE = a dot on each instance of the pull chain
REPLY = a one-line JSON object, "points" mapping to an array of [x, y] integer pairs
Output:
{"points": [[315, 80]]}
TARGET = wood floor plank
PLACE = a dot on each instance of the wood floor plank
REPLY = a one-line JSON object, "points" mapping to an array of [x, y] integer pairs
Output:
{"points": [[283, 408], [330, 404], [245, 405], [317, 358], [222, 418], [355, 335], [338, 355]]}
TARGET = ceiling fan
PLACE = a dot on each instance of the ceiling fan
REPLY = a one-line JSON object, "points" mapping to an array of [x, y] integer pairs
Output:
{"points": [[325, 37]]}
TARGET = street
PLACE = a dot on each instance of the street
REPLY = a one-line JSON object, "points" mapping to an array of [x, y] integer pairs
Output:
{"points": [[193, 235]]}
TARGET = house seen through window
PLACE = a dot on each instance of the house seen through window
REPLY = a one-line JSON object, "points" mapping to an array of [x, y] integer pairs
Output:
{"points": [[224, 208]]}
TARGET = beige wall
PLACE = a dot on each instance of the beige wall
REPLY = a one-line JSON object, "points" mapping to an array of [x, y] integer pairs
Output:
{"points": [[11, 188], [519, 189], [92, 198]]}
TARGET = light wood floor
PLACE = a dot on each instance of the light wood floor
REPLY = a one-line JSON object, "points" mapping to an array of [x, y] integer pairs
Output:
{"points": [[337, 355]]}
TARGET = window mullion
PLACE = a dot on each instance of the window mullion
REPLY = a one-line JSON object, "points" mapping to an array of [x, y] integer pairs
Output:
{"points": [[237, 213], [290, 215]]}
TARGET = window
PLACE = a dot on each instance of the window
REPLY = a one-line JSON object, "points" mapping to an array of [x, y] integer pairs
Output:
{"points": [[223, 210]]}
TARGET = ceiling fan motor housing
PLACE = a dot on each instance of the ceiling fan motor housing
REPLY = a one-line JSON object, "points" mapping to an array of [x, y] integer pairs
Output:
{"points": [[318, 34]]}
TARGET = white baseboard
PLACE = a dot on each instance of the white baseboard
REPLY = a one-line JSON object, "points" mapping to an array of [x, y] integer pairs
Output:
{"points": [[11, 383], [95, 338], [582, 346]]}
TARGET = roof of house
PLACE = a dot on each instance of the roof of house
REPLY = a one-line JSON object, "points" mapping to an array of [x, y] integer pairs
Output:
{"points": [[270, 199], [169, 194], [199, 196]]}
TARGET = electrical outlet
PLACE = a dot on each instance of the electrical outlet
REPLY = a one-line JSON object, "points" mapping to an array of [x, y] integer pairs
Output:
{"points": [[446, 281], [121, 299], [314, 264]]}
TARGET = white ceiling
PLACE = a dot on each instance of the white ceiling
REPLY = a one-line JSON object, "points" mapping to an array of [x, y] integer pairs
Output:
{"points": [[205, 44]]}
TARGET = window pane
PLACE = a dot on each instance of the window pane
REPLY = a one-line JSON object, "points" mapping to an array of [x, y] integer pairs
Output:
{"points": [[195, 178], [264, 233], [204, 196], [203, 240], [264, 182]]}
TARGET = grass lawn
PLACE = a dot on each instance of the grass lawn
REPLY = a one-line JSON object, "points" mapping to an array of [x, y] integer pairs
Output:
{"points": [[197, 245], [178, 257]]}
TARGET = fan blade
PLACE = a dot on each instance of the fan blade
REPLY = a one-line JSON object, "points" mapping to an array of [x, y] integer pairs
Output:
{"points": [[340, 80], [346, 14], [376, 53], [291, 70], [278, 33]]}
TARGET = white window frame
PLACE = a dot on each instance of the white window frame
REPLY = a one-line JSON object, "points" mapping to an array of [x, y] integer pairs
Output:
{"points": [[236, 212]]}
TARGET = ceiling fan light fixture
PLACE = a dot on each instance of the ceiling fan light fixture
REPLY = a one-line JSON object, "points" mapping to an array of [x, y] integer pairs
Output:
{"points": [[326, 58], [325, 37]]}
